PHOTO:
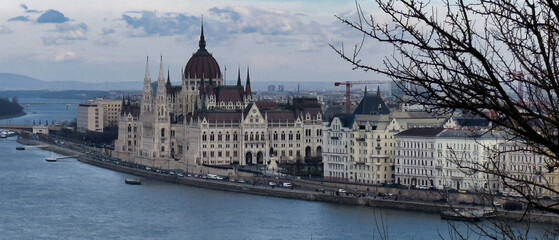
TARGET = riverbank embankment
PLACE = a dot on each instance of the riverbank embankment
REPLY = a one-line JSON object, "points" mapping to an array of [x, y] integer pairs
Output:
{"points": [[265, 190], [14, 115]]}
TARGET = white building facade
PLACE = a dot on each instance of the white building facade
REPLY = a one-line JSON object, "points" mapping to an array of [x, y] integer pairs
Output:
{"points": [[203, 122]]}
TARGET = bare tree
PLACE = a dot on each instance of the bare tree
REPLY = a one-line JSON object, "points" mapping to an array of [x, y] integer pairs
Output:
{"points": [[495, 59]]}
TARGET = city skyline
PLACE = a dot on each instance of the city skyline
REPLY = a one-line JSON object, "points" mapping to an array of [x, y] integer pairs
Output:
{"points": [[279, 40]]}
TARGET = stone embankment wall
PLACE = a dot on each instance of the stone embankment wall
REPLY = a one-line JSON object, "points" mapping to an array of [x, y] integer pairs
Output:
{"points": [[326, 196]]}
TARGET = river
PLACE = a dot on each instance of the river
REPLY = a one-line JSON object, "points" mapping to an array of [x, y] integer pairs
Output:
{"points": [[72, 200], [41, 110]]}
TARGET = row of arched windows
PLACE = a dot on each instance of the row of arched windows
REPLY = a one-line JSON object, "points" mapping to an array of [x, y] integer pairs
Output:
{"points": [[220, 136]]}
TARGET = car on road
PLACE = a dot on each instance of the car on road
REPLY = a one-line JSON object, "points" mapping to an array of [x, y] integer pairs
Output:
{"points": [[341, 190], [180, 175], [287, 185], [272, 184]]}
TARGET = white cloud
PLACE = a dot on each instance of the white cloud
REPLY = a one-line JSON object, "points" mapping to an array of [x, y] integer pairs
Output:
{"points": [[5, 30], [65, 56], [66, 33]]}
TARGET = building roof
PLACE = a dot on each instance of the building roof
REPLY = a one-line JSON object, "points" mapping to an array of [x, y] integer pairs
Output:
{"points": [[420, 132], [202, 63], [472, 122], [346, 119], [229, 93], [372, 104]]}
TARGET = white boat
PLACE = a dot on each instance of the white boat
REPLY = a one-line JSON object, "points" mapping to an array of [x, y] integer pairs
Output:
{"points": [[133, 181], [51, 158]]}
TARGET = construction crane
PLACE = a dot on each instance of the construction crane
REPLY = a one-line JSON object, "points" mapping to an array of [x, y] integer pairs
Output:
{"points": [[348, 85]]}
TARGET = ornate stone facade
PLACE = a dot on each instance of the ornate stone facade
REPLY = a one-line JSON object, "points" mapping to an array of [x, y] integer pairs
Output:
{"points": [[205, 122]]}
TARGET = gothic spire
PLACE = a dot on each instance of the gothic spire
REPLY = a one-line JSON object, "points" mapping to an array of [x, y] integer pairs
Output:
{"points": [[161, 75], [147, 78], [202, 42], [168, 78], [248, 91], [122, 106], [239, 77]]}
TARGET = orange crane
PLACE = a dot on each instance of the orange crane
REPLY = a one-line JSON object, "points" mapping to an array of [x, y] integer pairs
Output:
{"points": [[348, 85]]}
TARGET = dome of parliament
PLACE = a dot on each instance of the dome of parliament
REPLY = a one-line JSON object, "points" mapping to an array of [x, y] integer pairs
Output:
{"points": [[202, 63]]}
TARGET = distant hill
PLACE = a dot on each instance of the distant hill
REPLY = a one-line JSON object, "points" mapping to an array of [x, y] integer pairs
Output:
{"points": [[9, 81], [9, 108]]}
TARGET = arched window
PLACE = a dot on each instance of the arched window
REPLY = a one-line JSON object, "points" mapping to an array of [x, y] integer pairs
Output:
{"points": [[298, 135], [219, 137], [129, 128], [227, 136], [290, 136], [235, 137], [276, 136], [262, 137], [204, 137], [246, 136], [212, 137], [163, 132], [282, 135]]}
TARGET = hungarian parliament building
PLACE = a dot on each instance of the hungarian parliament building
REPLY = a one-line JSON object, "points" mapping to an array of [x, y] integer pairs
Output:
{"points": [[203, 121]]}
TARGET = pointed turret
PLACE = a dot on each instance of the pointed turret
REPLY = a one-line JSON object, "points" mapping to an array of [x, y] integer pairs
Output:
{"points": [[248, 91], [122, 106], [161, 78], [202, 43], [168, 79], [147, 93], [202, 86], [239, 77], [161, 97]]}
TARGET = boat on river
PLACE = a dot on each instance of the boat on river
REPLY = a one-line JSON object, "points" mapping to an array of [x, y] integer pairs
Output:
{"points": [[51, 158], [20, 148], [133, 181], [467, 215]]}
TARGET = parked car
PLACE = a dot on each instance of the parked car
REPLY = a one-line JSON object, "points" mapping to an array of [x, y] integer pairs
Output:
{"points": [[286, 185], [272, 184], [341, 190]]}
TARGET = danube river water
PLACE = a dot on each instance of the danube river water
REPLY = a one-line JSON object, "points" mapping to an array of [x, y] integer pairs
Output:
{"points": [[42, 110], [73, 200]]}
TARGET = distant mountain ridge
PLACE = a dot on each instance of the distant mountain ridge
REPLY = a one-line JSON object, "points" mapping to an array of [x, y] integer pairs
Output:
{"points": [[10, 81], [14, 82]]}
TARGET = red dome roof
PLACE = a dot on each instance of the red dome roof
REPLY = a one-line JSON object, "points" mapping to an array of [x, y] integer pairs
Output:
{"points": [[202, 63]]}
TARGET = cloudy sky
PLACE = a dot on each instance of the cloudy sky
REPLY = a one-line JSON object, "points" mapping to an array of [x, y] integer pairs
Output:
{"points": [[98, 41]]}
